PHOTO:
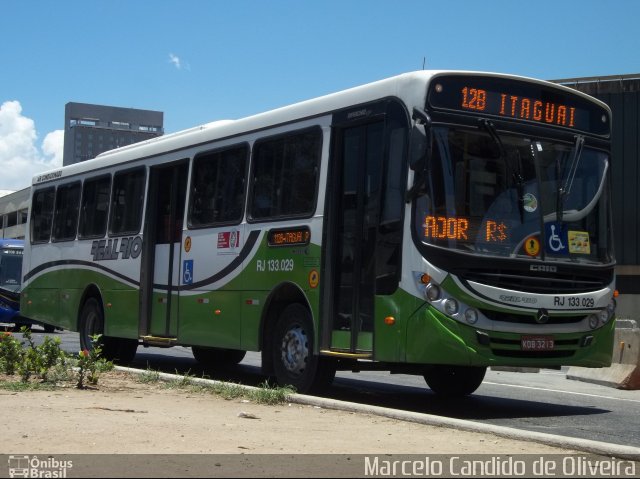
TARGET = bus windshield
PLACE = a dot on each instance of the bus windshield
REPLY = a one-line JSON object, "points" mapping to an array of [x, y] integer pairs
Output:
{"points": [[514, 196], [10, 269]]}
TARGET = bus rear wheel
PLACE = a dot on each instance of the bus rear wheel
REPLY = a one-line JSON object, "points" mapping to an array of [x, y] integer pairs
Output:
{"points": [[120, 350], [294, 360], [217, 357], [452, 381], [48, 328]]}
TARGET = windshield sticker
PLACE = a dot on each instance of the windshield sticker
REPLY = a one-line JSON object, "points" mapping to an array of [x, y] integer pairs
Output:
{"points": [[556, 240], [532, 246], [530, 202], [579, 242]]}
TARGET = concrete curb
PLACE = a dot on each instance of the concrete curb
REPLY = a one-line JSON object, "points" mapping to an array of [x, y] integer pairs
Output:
{"points": [[586, 445], [624, 372]]}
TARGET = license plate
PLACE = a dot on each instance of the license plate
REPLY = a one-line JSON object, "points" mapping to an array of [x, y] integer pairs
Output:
{"points": [[537, 343]]}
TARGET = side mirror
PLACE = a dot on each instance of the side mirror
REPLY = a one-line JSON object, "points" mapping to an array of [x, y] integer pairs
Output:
{"points": [[418, 147]]}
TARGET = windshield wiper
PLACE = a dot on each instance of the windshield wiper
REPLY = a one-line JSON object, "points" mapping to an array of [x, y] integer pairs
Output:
{"points": [[514, 176], [565, 189]]}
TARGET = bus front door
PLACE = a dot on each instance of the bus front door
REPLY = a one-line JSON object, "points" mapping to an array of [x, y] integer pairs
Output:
{"points": [[357, 177], [161, 270]]}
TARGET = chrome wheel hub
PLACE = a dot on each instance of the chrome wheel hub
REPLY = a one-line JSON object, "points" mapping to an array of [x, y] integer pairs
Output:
{"points": [[295, 351]]}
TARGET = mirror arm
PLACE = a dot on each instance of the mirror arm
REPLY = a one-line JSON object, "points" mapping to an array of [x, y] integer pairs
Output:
{"points": [[421, 116]]}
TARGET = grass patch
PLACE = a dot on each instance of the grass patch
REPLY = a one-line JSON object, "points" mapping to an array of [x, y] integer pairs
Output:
{"points": [[267, 394], [264, 394], [21, 386], [182, 382], [148, 377]]}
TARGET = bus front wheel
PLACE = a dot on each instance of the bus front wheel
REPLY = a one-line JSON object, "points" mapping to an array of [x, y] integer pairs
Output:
{"points": [[121, 350], [451, 381], [294, 361]]}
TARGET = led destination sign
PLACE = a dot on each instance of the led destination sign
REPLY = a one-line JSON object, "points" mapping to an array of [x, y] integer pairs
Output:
{"points": [[289, 236], [464, 229], [522, 108], [518, 100]]}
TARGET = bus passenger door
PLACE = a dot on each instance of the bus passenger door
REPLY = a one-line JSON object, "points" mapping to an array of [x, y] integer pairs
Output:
{"points": [[363, 231], [356, 203], [160, 277]]}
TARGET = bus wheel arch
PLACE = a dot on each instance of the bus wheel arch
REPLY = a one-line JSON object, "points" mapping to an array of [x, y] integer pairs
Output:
{"points": [[280, 297], [91, 291], [289, 342], [91, 322]]}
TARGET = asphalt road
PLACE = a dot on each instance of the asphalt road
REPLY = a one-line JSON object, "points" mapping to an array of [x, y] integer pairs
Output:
{"points": [[543, 402]]}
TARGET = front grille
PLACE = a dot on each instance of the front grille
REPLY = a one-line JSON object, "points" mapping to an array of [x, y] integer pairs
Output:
{"points": [[528, 319], [555, 283]]}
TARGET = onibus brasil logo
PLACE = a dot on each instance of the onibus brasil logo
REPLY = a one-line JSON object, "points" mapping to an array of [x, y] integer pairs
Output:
{"points": [[27, 466]]}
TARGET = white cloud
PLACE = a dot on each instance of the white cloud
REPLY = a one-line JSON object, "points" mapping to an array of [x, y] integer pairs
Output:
{"points": [[177, 62], [175, 59], [20, 158], [53, 146]]}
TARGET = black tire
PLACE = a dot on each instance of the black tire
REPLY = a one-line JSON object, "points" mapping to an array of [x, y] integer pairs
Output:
{"points": [[119, 350], [294, 360], [233, 357], [212, 358], [454, 381], [48, 328], [91, 323]]}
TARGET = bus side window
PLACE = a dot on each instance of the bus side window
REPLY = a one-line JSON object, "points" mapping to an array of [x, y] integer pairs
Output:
{"points": [[218, 191], [126, 202], [65, 218], [285, 175], [42, 215], [94, 207]]}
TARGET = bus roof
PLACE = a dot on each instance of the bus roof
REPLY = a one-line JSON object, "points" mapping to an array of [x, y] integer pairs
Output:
{"points": [[410, 87]]}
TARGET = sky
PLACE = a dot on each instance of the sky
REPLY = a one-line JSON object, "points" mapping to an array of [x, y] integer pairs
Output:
{"points": [[204, 60]]}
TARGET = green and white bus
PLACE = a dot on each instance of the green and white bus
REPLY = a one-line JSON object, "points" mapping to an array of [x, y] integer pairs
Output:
{"points": [[433, 223]]}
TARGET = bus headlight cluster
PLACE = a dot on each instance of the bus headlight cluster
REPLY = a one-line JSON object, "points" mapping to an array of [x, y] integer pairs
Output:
{"points": [[603, 316], [434, 293]]}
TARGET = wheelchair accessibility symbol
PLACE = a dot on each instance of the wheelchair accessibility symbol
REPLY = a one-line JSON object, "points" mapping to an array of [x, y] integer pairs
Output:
{"points": [[187, 271], [556, 238]]}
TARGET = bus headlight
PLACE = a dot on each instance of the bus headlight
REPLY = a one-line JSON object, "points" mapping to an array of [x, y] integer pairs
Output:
{"points": [[593, 321], [432, 292], [451, 306], [605, 315], [471, 316]]}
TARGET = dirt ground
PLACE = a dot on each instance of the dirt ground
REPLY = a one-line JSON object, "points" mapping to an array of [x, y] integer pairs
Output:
{"points": [[122, 415]]}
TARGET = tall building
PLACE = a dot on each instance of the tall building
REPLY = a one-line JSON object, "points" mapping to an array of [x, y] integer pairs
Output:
{"points": [[91, 129], [13, 213]]}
